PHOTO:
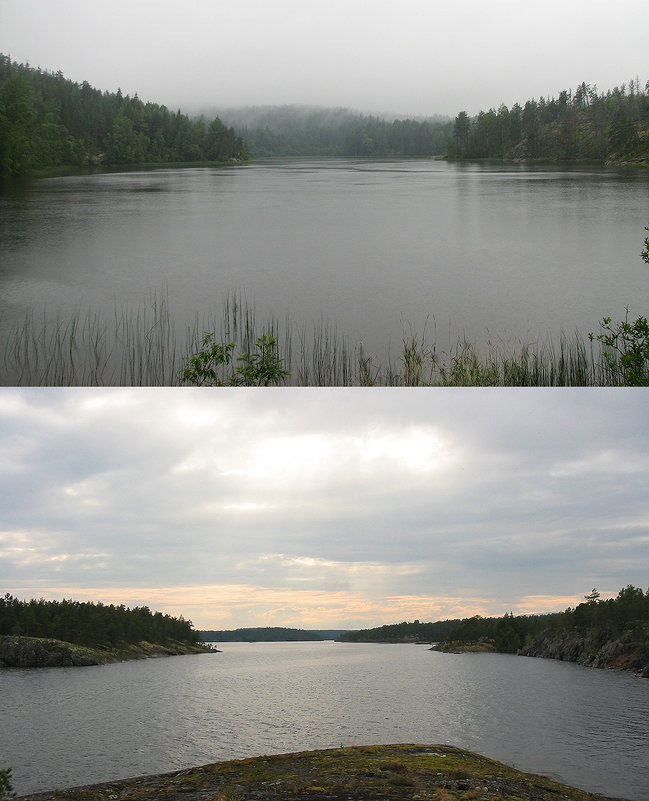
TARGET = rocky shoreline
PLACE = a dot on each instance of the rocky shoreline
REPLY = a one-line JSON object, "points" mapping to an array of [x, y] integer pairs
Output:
{"points": [[592, 648], [588, 647], [385, 772], [35, 652], [454, 647]]}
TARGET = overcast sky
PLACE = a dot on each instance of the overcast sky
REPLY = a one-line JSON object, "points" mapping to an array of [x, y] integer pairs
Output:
{"points": [[326, 507], [410, 57]]}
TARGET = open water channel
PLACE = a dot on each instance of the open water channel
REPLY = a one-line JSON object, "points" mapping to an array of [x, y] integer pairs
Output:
{"points": [[375, 249], [70, 726]]}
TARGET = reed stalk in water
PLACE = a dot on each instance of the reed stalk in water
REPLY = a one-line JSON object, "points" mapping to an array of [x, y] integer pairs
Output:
{"points": [[139, 347]]}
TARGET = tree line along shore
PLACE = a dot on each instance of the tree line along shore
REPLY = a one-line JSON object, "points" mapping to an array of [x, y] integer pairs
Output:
{"points": [[610, 633], [48, 121], [39, 633], [607, 633]]}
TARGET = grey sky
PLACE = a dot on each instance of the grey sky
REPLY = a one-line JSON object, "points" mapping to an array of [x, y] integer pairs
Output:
{"points": [[323, 507], [410, 57]]}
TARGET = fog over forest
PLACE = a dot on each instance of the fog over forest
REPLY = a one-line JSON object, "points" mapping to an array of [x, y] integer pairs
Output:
{"points": [[417, 59]]}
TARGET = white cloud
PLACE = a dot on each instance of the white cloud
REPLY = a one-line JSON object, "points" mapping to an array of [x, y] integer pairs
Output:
{"points": [[607, 462], [417, 449]]}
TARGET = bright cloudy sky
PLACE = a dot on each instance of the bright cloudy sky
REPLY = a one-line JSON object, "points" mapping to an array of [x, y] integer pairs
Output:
{"points": [[323, 508], [410, 57]]}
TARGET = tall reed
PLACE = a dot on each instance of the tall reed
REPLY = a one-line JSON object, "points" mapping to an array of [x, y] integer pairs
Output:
{"points": [[139, 347]]}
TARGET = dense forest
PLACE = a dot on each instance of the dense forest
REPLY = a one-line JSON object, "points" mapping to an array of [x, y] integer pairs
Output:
{"points": [[583, 125], [91, 624], [296, 131], [47, 120], [511, 632]]}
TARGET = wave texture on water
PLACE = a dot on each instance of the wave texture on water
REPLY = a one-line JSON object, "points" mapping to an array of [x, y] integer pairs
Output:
{"points": [[71, 726]]}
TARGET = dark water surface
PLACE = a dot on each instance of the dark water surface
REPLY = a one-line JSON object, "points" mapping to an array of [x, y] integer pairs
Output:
{"points": [[374, 248], [71, 726]]}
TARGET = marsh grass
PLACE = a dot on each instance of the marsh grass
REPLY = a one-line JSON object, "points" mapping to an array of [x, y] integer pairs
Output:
{"points": [[140, 347]]}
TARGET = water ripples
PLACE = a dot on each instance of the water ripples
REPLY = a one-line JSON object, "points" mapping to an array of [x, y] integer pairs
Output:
{"points": [[69, 726]]}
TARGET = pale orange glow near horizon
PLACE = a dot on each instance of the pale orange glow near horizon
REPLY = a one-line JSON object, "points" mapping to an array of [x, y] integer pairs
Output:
{"points": [[231, 606]]}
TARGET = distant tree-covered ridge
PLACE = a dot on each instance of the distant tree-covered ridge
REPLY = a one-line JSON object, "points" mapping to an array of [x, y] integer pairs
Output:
{"points": [[403, 632], [47, 121], [583, 125], [263, 634], [92, 624], [303, 131]]}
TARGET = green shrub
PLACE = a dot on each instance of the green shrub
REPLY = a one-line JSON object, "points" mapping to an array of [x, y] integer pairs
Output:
{"points": [[626, 344], [6, 787], [212, 365]]}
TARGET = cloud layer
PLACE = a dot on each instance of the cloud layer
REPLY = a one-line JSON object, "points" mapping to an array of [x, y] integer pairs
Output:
{"points": [[323, 507], [419, 57]]}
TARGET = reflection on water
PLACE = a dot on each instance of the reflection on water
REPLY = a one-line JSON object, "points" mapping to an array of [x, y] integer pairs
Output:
{"points": [[374, 248], [69, 726]]}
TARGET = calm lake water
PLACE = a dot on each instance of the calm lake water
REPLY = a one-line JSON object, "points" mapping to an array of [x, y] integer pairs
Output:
{"points": [[71, 726], [376, 249]]}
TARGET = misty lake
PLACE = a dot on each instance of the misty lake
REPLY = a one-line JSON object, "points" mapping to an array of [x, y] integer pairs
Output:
{"points": [[70, 726], [374, 249]]}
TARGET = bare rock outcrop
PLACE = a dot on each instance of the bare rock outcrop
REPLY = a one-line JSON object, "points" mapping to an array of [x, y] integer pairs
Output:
{"points": [[36, 652], [31, 652], [594, 647]]}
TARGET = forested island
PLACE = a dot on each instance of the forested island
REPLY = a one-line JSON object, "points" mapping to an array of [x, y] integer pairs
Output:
{"points": [[269, 634], [41, 633], [49, 121], [612, 633]]}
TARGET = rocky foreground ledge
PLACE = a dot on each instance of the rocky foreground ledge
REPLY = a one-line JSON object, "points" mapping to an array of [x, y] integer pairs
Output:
{"points": [[31, 652], [362, 773]]}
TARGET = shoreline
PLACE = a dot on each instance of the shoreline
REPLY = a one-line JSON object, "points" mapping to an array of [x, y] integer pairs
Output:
{"points": [[38, 652]]}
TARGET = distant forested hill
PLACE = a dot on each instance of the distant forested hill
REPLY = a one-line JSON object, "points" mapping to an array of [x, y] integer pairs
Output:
{"points": [[403, 632], [49, 121], [264, 634], [303, 131], [583, 125]]}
